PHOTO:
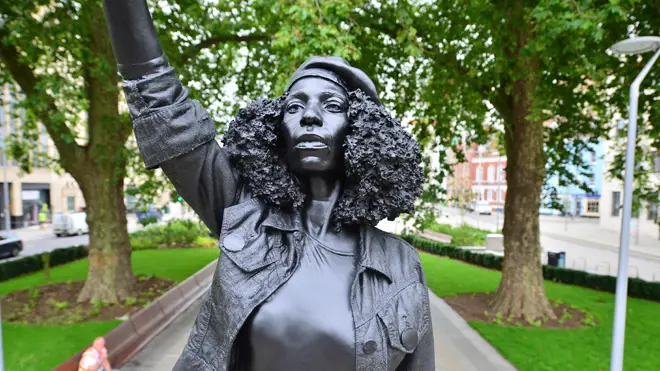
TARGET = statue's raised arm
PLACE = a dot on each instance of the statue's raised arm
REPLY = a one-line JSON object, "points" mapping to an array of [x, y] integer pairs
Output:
{"points": [[173, 132], [133, 36]]}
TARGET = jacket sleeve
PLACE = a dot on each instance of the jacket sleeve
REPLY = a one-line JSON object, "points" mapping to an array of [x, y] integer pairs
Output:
{"points": [[175, 133]]}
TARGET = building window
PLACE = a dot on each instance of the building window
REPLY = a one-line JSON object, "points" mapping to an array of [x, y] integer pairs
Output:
{"points": [[480, 174], [500, 173], [13, 127], [616, 203], [44, 146], [491, 173], [592, 206], [70, 203], [652, 211], [499, 196], [492, 195], [591, 181], [656, 162]]}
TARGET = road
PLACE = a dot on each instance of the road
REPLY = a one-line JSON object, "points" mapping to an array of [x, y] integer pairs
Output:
{"points": [[588, 246], [37, 240]]}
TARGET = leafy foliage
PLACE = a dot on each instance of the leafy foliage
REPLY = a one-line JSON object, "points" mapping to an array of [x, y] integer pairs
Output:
{"points": [[528, 69]]}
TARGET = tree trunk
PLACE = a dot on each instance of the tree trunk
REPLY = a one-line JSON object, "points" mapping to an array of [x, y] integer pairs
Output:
{"points": [[110, 275], [521, 292]]}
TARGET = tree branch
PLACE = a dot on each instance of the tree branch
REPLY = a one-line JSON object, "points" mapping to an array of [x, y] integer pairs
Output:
{"points": [[28, 82], [192, 51], [448, 59]]}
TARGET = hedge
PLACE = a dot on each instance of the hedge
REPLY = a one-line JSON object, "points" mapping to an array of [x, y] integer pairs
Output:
{"points": [[34, 263], [636, 287]]}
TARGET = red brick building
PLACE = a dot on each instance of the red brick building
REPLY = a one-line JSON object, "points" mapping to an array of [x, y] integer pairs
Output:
{"points": [[482, 172]]}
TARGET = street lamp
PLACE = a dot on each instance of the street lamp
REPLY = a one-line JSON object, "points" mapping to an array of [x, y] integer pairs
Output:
{"points": [[635, 45]]}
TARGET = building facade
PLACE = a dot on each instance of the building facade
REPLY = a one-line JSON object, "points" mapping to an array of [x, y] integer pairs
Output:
{"points": [[28, 193], [575, 200], [482, 173], [645, 221]]}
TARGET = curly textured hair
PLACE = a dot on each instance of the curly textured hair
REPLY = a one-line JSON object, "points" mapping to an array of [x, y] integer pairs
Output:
{"points": [[382, 161]]}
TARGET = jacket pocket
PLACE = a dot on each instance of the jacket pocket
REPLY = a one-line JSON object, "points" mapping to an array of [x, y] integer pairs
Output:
{"points": [[248, 244], [404, 319], [252, 253]]}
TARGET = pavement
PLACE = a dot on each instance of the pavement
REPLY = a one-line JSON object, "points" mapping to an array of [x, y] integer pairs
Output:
{"points": [[588, 246], [457, 346], [162, 352]]}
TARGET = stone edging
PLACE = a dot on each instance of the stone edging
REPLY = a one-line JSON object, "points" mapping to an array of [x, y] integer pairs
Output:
{"points": [[125, 340]]}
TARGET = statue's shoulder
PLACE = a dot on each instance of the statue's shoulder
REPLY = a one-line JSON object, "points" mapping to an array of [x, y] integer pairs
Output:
{"points": [[396, 251]]}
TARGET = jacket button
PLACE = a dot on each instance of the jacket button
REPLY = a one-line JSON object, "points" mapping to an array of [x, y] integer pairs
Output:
{"points": [[233, 242], [409, 338], [370, 347]]}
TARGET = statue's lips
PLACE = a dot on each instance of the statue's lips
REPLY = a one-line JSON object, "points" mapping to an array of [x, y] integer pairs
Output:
{"points": [[311, 145], [311, 142]]}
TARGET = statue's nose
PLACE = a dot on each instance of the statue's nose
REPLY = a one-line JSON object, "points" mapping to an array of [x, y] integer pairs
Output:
{"points": [[311, 117]]}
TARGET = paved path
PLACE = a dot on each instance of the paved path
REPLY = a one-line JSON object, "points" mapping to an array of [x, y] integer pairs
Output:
{"points": [[588, 246], [457, 346], [161, 353]]}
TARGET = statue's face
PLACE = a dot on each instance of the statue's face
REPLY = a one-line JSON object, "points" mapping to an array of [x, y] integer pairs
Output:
{"points": [[315, 125]]}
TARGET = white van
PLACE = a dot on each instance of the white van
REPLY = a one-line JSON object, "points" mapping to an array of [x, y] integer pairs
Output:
{"points": [[70, 224]]}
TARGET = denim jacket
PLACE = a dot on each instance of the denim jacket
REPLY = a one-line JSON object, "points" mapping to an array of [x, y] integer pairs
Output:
{"points": [[261, 245]]}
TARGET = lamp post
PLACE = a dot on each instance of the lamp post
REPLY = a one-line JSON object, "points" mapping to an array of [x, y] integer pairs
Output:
{"points": [[635, 45], [6, 215]]}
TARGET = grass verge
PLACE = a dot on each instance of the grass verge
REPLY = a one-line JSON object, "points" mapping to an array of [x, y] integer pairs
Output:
{"points": [[463, 235], [41, 348], [537, 349]]}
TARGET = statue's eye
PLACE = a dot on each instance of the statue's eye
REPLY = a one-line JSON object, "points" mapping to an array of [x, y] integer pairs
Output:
{"points": [[333, 107], [293, 107]]}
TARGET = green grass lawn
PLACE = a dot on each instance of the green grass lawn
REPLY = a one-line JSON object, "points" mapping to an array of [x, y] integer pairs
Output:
{"points": [[41, 348], [463, 235], [536, 349]]}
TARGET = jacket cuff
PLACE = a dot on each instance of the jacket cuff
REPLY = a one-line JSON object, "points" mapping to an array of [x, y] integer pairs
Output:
{"points": [[167, 133]]}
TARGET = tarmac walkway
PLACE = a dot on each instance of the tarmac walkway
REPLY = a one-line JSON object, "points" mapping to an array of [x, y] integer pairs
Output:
{"points": [[457, 346]]}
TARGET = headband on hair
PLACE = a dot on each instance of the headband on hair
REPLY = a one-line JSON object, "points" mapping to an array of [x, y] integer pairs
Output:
{"points": [[320, 73]]}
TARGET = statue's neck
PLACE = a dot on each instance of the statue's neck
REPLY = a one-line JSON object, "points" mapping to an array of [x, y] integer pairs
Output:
{"points": [[323, 194]]}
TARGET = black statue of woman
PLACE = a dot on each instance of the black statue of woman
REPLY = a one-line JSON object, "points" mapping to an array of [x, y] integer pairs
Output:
{"points": [[304, 279]]}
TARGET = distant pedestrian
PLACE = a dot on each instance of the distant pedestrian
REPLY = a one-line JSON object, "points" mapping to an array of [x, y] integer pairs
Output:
{"points": [[95, 358]]}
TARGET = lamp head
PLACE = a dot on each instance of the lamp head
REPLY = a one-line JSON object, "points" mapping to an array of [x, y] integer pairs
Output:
{"points": [[637, 45]]}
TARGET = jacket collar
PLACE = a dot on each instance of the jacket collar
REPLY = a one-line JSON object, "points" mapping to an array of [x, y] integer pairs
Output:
{"points": [[373, 255], [372, 243]]}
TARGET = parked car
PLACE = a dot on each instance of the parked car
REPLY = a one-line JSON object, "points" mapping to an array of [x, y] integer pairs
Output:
{"points": [[484, 207], [10, 244], [70, 224]]}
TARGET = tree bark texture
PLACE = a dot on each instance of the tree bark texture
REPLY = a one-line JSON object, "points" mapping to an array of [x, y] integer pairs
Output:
{"points": [[521, 293], [110, 275]]}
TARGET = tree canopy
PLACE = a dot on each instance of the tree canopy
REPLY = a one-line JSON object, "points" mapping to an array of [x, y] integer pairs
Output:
{"points": [[538, 70]]}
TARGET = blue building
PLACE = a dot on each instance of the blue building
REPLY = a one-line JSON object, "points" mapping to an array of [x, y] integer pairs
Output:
{"points": [[576, 201]]}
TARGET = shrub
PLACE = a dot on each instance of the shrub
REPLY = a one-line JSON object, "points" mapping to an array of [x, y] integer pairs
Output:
{"points": [[177, 233], [35, 263], [636, 287], [206, 242]]}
